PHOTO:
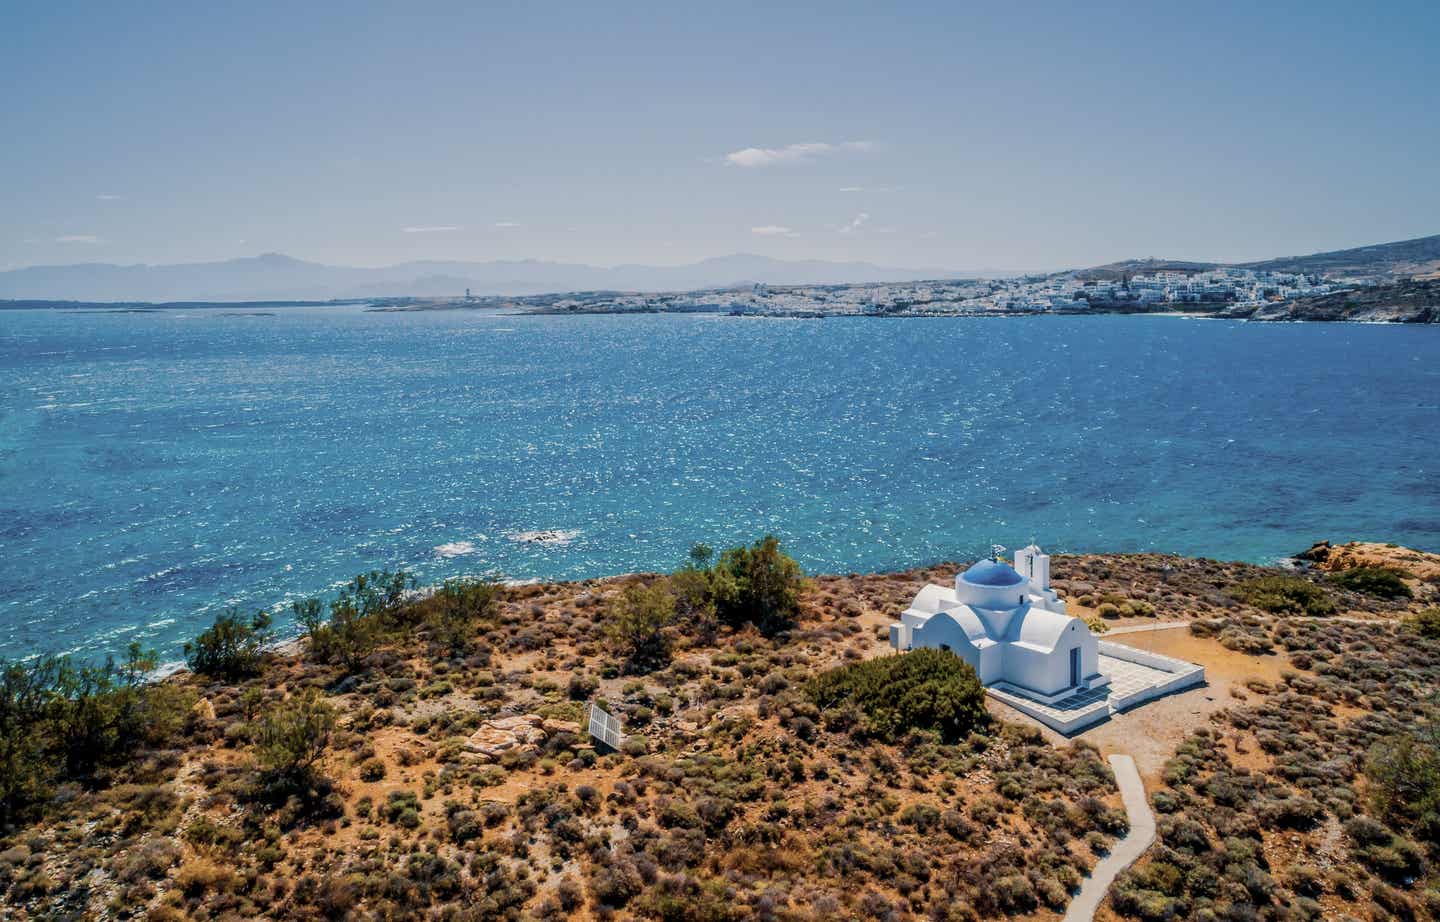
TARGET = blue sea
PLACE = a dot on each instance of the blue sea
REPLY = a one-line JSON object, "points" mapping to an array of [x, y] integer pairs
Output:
{"points": [[158, 467]]}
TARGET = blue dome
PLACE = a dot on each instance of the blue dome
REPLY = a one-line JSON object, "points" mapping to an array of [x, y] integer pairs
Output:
{"points": [[992, 573]]}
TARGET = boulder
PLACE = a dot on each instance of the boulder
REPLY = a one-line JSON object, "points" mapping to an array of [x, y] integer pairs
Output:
{"points": [[515, 723], [203, 709], [502, 734]]}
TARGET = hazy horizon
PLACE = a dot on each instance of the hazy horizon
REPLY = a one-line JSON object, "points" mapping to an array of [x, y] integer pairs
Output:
{"points": [[969, 140]]}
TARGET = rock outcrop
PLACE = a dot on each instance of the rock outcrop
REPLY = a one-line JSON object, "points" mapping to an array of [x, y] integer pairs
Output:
{"points": [[1332, 558], [520, 732]]}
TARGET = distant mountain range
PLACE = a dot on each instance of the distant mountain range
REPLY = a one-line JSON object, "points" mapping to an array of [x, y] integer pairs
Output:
{"points": [[274, 276]]}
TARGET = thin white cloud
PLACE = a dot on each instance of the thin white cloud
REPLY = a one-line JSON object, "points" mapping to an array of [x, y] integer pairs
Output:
{"points": [[431, 229], [793, 153], [852, 188], [79, 238], [109, 197], [773, 230], [854, 224], [505, 225]]}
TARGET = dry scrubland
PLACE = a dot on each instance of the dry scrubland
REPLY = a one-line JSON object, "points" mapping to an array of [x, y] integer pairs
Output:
{"points": [[343, 781]]}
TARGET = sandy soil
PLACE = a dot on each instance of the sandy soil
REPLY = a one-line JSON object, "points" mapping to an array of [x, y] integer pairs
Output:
{"points": [[1152, 732]]}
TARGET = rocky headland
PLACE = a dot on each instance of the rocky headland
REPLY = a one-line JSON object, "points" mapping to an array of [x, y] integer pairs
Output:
{"points": [[450, 776]]}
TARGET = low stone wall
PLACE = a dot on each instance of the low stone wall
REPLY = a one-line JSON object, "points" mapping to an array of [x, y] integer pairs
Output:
{"points": [[1182, 674], [1072, 715], [1066, 721]]}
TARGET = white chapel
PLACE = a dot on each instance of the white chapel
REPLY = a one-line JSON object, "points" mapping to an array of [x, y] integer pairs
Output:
{"points": [[1010, 626]]}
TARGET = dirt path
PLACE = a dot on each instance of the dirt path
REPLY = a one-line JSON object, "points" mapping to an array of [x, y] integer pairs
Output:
{"points": [[1126, 851], [1136, 628]]}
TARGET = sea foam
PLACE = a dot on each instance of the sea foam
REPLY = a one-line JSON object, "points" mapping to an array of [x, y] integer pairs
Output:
{"points": [[454, 549]]}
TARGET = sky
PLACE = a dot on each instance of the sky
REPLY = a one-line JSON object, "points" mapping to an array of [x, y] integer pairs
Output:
{"points": [[949, 135]]}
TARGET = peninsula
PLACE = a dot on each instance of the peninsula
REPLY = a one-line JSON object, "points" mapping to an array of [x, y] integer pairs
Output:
{"points": [[427, 754]]}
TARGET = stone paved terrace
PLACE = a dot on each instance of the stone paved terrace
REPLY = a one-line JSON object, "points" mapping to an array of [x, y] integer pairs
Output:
{"points": [[1127, 680]]}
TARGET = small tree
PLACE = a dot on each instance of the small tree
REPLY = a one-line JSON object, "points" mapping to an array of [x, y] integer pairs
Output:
{"points": [[365, 609], [350, 636], [458, 607], [26, 766], [701, 555], [637, 623], [379, 593], [695, 602], [231, 648], [60, 720], [101, 711], [760, 584], [309, 614], [1404, 774], [292, 740]]}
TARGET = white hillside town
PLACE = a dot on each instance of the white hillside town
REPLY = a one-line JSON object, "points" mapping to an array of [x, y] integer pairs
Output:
{"points": [[1066, 292], [1012, 628]]}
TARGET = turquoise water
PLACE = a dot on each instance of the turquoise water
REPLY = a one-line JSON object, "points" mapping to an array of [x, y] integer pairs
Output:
{"points": [[157, 467]]}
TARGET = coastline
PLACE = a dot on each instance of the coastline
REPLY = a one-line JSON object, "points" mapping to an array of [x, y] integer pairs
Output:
{"points": [[464, 759], [290, 641]]}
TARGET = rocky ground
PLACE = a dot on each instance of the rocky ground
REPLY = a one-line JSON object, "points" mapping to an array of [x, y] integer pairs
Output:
{"points": [[461, 786], [1403, 302]]}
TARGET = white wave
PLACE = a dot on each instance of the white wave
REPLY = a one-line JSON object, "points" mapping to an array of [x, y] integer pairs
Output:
{"points": [[455, 549]]}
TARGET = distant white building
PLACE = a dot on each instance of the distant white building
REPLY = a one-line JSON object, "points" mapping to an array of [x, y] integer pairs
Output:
{"points": [[1009, 625]]}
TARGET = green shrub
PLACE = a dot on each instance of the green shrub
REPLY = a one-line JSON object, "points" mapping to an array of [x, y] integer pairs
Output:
{"points": [[403, 809], [922, 816], [1240, 640], [924, 689], [1404, 775], [458, 607], [61, 721], [231, 648], [759, 584], [581, 686], [636, 625], [1284, 595], [1138, 608], [368, 608], [293, 738], [694, 591], [1383, 582], [1425, 623]]}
